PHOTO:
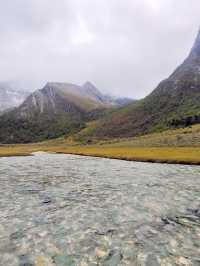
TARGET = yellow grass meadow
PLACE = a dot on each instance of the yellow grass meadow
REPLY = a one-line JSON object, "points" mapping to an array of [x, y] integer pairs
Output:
{"points": [[172, 146], [183, 155]]}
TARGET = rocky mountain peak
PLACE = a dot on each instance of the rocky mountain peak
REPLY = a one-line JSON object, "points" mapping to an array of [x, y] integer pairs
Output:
{"points": [[90, 88], [196, 47], [88, 84]]}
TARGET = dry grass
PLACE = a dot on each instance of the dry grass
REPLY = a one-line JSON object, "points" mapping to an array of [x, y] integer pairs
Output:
{"points": [[151, 148], [187, 155]]}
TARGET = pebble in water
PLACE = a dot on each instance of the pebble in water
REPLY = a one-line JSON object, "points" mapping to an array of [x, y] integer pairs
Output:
{"points": [[100, 253], [44, 261], [152, 260]]}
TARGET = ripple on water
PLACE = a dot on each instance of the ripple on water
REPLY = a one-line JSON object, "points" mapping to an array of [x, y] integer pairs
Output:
{"points": [[71, 210]]}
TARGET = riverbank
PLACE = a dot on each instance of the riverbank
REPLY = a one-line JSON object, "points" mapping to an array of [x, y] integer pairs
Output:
{"points": [[178, 146], [171, 155]]}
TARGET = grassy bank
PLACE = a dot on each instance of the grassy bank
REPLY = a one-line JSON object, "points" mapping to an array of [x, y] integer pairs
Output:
{"points": [[174, 146], [186, 155], [182, 155]]}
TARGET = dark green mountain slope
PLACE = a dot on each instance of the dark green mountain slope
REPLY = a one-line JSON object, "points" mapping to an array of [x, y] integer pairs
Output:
{"points": [[175, 102]]}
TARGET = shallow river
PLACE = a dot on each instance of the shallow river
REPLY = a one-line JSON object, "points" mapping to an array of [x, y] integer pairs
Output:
{"points": [[69, 210]]}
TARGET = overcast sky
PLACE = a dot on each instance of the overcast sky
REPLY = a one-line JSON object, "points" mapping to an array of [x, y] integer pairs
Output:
{"points": [[125, 47]]}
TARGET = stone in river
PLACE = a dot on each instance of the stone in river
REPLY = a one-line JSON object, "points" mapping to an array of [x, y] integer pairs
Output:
{"points": [[183, 261], [42, 261], [100, 253], [63, 260], [114, 258], [152, 260], [24, 260]]}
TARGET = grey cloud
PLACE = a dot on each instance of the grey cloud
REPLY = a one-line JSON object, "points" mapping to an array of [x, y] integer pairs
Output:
{"points": [[125, 47]]}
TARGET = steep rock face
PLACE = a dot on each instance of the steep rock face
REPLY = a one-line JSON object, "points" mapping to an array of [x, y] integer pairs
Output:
{"points": [[195, 52], [49, 100], [10, 97], [175, 102]]}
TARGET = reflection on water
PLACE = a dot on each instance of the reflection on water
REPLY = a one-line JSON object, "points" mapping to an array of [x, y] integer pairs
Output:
{"points": [[69, 210]]}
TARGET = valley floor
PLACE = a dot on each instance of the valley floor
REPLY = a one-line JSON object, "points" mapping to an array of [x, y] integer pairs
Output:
{"points": [[173, 146]]}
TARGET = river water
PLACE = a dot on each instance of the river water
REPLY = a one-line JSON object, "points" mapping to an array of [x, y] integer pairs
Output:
{"points": [[67, 210]]}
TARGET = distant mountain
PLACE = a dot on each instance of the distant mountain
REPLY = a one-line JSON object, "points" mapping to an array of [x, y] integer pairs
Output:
{"points": [[91, 91], [57, 98], [174, 103], [10, 97], [123, 101], [55, 110]]}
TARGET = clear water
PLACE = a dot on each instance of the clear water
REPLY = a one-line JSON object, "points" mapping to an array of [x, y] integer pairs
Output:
{"points": [[70, 210]]}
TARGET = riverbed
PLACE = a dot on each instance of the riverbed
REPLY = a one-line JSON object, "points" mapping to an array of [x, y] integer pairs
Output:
{"points": [[66, 210]]}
